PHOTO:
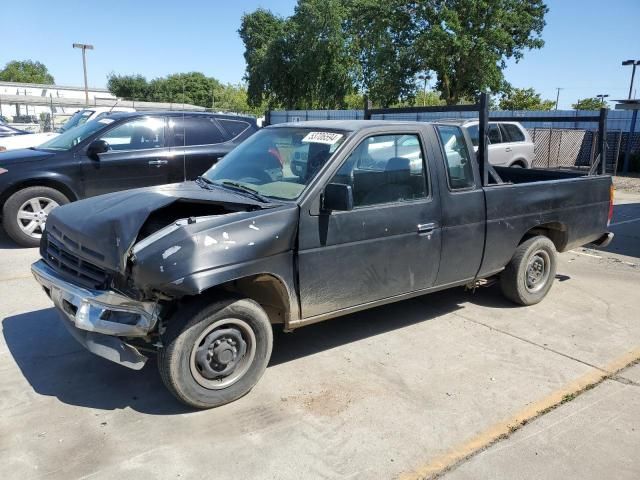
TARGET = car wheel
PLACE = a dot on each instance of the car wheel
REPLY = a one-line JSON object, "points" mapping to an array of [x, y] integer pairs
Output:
{"points": [[25, 213], [215, 353], [529, 275]]}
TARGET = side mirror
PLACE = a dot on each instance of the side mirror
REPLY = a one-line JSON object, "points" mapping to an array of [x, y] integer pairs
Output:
{"points": [[337, 196], [96, 148]]}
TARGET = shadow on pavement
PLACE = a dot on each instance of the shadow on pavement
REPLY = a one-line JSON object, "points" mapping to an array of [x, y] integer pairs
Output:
{"points": [[626, 227], [6, 243], [55, 365]]}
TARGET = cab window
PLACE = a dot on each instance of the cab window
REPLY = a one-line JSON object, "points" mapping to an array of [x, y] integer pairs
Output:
{"points": [[456, 154], [385, 169]]}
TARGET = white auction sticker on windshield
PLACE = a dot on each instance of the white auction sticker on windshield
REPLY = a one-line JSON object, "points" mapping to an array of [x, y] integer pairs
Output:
{"points": [[328, 138], [106, 121]]}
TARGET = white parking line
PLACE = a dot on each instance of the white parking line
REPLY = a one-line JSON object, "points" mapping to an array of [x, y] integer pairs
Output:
{"points": [[585, 254], [624, 221]]}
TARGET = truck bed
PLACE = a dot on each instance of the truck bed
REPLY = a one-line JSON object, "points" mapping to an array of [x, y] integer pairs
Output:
{"points": [[571, 207]]}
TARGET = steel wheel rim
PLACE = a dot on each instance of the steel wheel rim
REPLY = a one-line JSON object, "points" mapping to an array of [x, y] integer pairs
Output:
{"points": [[224, 330], [537, 273], [32, 215]]}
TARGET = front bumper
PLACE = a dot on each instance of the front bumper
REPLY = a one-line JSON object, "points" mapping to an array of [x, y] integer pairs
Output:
{"points": [[97, 318]]}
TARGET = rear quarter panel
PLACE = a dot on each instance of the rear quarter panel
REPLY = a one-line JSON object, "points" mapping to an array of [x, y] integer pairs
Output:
{"points": [[579, 206]]}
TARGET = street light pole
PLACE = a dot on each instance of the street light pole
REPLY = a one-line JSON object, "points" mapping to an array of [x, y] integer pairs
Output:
{"points": [[558, 95], [634, 63], [426, 78], [84, 48], [602, 97]]}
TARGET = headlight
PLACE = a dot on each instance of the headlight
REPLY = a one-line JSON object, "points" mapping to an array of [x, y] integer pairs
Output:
{"points": [[3, 170], [2, 149]]}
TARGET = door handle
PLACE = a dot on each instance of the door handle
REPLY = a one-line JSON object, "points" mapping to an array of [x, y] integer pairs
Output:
{"points": [[508, 149], [158, 163], [426, 227]]}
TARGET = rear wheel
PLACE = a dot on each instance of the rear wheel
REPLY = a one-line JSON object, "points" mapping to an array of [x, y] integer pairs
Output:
{"points": [[25, 213], [215, 353], [529, 275]]}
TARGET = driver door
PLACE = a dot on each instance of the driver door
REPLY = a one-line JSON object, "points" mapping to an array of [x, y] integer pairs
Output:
{"points": [[388, 245], [137, 157]]}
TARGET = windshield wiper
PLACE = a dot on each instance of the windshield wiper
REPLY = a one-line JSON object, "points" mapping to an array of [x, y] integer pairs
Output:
{"points": [[243, 188], [204, 182]]}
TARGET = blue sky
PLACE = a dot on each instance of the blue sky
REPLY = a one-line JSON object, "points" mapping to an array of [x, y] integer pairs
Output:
{"points": [[585, 41]]}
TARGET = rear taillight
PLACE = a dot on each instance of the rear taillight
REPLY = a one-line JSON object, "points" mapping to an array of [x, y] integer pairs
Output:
{"points": [[610, 216]]}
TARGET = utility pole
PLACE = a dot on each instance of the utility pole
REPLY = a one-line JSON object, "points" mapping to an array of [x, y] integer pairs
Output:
{"points": [[634, 63], [84, 47], [602, 97], [558, 95]]}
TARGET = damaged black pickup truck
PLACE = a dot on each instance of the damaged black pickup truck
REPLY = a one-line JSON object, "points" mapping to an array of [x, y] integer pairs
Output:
{"points": [[301, 223]]}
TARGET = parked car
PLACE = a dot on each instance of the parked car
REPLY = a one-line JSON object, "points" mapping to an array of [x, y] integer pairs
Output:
{"points": [[78, 118], [117, 152], [200, 271], [9, 131], [510, 144]]}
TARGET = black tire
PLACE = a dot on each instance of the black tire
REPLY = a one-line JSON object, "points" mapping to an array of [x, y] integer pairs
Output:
{"points": [[11, 222], [178, 362], [529, 275]]}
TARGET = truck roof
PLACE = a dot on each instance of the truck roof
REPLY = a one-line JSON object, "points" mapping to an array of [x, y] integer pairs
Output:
{"points": [[348, 125]]}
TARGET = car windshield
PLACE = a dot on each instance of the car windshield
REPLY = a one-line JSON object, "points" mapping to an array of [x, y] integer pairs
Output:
{"points": [[77, 119], [71, 138], [276, 162]]}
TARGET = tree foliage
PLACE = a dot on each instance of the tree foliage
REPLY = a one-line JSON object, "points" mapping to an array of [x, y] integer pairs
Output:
{"points": [[316, 57], [26, 71], [467, 42], [193, 88], [298, 62], [589, 104], [524, 99]]}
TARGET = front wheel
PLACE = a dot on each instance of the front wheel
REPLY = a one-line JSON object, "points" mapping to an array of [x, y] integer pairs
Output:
{"points": [[529, 275], [25, 213], [215, 353]]}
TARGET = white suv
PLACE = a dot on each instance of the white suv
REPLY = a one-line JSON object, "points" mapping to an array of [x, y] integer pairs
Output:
{"points": [[510, 144]]}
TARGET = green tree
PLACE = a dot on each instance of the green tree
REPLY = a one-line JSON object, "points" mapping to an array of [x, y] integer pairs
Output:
{"points": [[131, 87], [381, 36], [524, 99], [299, 62], [589, 104], [467, 42], [26, 71]]}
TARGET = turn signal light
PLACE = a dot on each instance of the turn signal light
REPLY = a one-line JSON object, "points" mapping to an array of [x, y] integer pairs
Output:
{"points": [[611, 191]]}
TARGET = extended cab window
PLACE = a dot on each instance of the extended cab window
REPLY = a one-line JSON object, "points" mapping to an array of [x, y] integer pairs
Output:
{"points": [[459, 169], [190, 131], [385, 169], [138, 134]]}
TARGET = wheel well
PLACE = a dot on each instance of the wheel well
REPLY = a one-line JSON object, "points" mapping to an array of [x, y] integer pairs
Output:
{"points": [[39, 182], [554, 231], [520, 162], [265, 289]]}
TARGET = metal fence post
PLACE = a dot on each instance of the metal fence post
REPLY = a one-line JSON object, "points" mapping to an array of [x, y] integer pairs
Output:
{"points": [[627, 148], [483, 149], [602, 129], [367, 107]]}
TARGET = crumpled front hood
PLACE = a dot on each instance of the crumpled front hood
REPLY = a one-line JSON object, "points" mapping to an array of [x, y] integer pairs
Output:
{"points": [[102, 229]]}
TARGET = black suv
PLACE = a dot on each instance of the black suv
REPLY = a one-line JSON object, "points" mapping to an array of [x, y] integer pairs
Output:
{"points": [[122, 151]]}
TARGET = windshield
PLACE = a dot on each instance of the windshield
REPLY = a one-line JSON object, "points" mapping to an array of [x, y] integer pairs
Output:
{"points": [[277, 162], [71, 138], [77, 119]]}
